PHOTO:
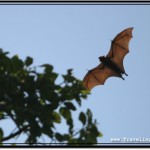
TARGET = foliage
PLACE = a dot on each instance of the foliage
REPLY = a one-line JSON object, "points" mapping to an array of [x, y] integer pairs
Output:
{"points": [[36, 103]]}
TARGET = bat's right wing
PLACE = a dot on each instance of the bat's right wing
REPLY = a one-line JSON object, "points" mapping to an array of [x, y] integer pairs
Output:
{"points": [[98, 76]]}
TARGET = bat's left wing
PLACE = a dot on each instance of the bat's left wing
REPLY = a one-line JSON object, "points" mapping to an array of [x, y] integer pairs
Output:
{"points": [[97, 76], [120, 47]]}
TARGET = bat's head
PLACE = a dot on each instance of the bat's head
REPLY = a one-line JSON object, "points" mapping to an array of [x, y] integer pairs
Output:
{"points": [[102, 58]]}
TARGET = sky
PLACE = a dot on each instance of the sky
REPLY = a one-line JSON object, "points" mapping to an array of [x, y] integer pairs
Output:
{"points": [[74, 36]]}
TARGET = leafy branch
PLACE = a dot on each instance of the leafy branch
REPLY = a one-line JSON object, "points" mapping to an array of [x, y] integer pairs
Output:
{"points": [[14, 134], [35, 102]]}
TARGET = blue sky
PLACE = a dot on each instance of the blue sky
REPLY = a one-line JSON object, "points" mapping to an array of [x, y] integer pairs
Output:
{"points": [[74, 36]]}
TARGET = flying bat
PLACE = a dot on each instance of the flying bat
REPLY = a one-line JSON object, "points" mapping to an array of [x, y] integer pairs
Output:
{"points": [[112, 63]]}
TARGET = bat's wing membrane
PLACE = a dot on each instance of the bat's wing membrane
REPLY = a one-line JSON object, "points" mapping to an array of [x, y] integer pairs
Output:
{"points": [[97, 76], [120, 47]]}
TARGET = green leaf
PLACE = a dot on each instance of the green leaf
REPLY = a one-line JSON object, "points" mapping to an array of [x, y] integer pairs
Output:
{"points": [[47, 130], [65, 112], [89, 115], [100, 134], [28, 61], [70, 123], [53, 76], [68, 77], [59, 137], [16, 64], [48, 68], [82, 118], [48, 72], [78, 101], [66, 137], [56, 117], [1, 133], [85, 92], [70, 105], [94, 130]]}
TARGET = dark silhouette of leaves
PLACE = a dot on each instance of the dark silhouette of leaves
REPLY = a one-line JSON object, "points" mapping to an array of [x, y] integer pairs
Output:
{"points": [[82, 118], [36, 103], [69, 105], [28, 61]]}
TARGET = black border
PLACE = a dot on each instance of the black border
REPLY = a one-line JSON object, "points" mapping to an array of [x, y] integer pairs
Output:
{"points": [[73, 2], [77, 2]]}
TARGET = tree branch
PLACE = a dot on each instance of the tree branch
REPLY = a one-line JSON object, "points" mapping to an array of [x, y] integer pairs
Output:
{"points": [[14, 134]]}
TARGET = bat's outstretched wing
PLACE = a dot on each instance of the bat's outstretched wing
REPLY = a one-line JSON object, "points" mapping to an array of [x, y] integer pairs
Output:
{"points": [[98, 76], [120, 47]]}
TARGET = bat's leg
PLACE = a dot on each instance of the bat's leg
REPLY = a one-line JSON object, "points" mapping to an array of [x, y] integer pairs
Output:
{"points": [[121, 77], [126, 74]]}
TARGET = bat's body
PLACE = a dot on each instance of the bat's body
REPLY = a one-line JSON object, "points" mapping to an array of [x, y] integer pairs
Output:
{"points": [[107, 62], [112, 64]]}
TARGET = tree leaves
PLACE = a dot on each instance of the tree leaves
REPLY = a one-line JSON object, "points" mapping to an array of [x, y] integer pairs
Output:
{"points": [[82, 118], [65, 112], [16, 64], [1, 134], [35, 99], [28, 61], [56, 117], [69, 105], [61, 137]]}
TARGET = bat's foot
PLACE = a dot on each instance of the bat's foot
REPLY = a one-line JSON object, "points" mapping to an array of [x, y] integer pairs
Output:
{"points": [[122, 78], [126, 74]]}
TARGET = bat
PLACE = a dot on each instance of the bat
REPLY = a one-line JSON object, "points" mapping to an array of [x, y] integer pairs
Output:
{"points": [[112, 64]]}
